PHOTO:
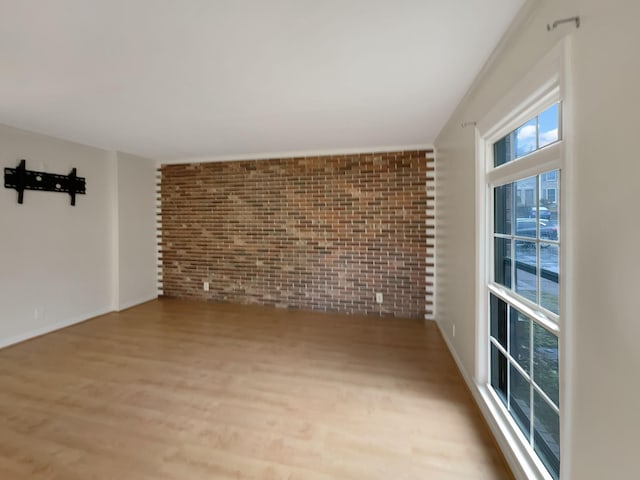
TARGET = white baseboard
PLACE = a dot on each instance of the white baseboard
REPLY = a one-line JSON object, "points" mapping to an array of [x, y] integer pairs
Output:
{"points": [[518, 462], [5, 342], [138, 301]]}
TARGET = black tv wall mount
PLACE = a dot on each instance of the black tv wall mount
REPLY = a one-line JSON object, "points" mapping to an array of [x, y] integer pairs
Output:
{"points": [[21, 179]]}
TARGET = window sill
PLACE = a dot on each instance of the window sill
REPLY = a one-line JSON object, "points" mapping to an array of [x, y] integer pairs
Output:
{"points": [[523, 463], [511, 441]]}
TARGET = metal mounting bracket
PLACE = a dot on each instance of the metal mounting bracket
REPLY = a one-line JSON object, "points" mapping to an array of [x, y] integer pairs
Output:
{"points": [[21, 179], [554, 25]]}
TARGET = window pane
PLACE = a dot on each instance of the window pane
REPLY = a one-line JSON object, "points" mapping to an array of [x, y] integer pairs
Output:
{"points": [[526, 260], [525, 202], [548, 126], [526, 227], [499, 373], [548, 205], [499, 320], [548, 230], [520, 336], [545, 362], [502, 151], [520, 401], [526, 138], [546, 427], [538, 132], [503, 208], [549, 278], [502, 260]]}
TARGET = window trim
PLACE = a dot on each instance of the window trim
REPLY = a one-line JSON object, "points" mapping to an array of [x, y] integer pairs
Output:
{"points": [[545, 84]]}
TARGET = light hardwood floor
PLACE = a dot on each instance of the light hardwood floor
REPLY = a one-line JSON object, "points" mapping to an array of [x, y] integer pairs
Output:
{"points": [[184, 390]]}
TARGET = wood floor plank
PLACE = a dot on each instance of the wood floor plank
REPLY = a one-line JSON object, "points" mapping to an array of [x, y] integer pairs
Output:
{"points": [[185, 390]]}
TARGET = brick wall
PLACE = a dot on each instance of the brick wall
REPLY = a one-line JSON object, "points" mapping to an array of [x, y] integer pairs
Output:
{"points": [[321, 233]]}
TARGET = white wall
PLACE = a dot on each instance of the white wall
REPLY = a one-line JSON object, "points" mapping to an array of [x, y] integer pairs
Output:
{"points": [[55, 259], [604, 383], [58, 263], [137, 279]]}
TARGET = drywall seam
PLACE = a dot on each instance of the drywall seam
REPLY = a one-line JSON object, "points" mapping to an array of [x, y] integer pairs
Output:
{"points": [[115, 231]]}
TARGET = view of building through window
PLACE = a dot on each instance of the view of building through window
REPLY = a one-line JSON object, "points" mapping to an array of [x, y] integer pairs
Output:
{"points": [[529, 228]]}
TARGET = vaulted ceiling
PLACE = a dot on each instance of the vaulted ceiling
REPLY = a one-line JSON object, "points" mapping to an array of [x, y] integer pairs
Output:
{"points": [[192, 78]]}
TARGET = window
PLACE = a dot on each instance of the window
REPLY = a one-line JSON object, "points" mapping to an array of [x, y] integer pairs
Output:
{"points": [[533, 135], [551, 195], [522, 283]]}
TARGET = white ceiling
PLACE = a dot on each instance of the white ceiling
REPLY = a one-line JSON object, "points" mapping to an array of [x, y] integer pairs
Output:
{"points": [[191, 78]]}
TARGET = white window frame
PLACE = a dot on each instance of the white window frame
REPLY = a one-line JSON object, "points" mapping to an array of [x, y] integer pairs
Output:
{"points": [[543, 86]]}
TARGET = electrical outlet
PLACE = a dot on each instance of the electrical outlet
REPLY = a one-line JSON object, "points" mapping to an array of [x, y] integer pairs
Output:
{"points": [[379, 297], [206, 286]]}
